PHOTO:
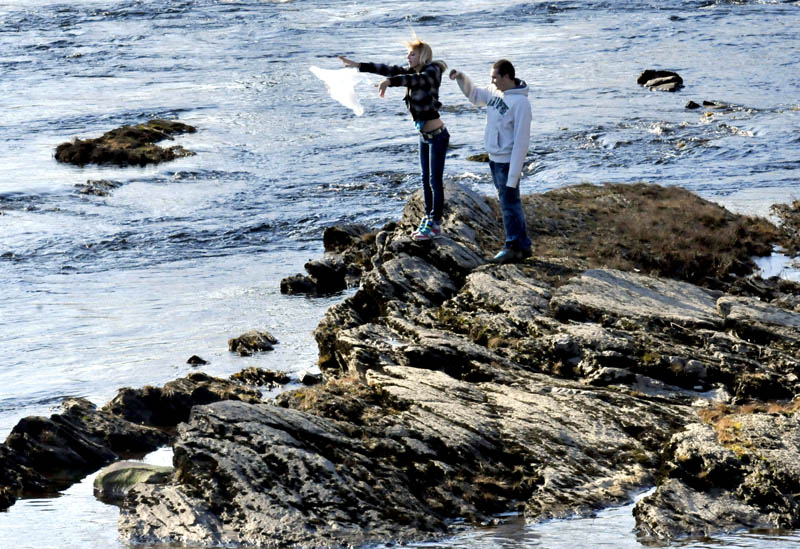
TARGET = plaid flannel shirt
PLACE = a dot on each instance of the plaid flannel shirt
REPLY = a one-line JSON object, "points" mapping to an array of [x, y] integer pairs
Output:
{"points": [[422, 88]]}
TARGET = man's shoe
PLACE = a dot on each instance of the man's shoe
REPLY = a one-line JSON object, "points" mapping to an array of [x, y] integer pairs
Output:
{"points": [[505, 256], [526, 253]]}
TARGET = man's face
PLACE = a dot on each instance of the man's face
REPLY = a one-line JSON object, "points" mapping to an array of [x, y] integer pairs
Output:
{"points": [[501, 82]]}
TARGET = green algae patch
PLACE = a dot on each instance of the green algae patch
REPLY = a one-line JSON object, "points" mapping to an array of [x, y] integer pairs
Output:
{"points": [[127, 145]]}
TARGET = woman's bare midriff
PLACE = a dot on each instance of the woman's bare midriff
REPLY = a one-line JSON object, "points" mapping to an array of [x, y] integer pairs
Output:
{"points": [[431, 125]]}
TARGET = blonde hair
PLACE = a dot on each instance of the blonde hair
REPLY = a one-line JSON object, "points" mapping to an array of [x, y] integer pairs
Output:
{"points": [[425, 51]]}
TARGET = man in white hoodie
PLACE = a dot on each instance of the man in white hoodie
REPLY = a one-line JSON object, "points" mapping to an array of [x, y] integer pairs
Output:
{"points": [[507, 137]]}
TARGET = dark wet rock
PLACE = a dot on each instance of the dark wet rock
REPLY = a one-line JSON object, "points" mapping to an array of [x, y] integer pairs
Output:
{"points": [[660, 80], [195, 360], [298, 284], [254, 341], [260, 377], [310, 378], [348, 253], [101, 187], [740, 472], [121, 436], [79, 440], [113, 482], [329, 274], [127, 145], [717, 105], [42, 455], [17, 477], [342, 238], [692, 105], [169, 405]]}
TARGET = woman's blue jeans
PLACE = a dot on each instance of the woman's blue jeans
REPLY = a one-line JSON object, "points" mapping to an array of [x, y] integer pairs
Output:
{"points": [[431, 158], [511, 206]]}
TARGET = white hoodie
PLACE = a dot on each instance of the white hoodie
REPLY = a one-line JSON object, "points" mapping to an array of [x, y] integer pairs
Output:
{"points": [[508, 123]]}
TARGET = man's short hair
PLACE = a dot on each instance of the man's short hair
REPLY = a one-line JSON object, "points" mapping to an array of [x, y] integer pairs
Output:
{"points": [[505, 68]]}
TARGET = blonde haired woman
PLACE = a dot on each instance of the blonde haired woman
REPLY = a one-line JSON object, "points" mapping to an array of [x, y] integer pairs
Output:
{"points": [[421, 78]]}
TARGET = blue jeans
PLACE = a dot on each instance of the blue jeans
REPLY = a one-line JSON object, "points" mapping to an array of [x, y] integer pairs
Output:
{"points": [[511, 206], [431, 158]]}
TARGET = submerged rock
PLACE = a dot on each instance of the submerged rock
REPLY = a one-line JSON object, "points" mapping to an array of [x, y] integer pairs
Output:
{"points": [[127, 145], [660, 80], [112, 483], [98, 187]]}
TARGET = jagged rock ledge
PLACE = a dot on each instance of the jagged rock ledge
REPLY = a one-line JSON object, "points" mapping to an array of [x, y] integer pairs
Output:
{"points": [[44, 455], [629, 352]]}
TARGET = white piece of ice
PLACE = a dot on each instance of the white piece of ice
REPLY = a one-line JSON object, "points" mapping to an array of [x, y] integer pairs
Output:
{"points": [[341, 84]]}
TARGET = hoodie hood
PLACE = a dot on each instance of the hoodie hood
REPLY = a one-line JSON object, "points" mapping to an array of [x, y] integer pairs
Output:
{"points": [[520, 88]]}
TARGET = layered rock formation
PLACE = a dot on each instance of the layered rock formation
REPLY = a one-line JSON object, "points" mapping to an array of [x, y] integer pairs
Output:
{"points": [[458, 390], [44, 455]]}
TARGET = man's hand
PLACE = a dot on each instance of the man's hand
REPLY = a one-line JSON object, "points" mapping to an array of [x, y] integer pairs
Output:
{"points": [[454, 74]]}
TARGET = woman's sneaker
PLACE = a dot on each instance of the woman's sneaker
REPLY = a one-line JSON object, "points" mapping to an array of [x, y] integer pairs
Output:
{"points": [[422, 225], [429, 231]]}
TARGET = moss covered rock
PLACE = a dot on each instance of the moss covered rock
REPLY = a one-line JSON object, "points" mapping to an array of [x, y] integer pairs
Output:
{"points": [[127, 145]]}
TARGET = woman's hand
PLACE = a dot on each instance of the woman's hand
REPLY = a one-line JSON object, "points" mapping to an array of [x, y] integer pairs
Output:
{"points": [[348, 63], [382, 85]]}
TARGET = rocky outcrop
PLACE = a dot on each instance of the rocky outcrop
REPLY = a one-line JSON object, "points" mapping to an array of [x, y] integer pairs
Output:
{"points": [[348, 249], [457, 389], [42, 455], [395, 460], [260, 377], [740, 471], [124, 146], [170, 405]]}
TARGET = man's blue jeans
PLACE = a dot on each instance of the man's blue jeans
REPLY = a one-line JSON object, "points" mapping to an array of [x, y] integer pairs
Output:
{"points": [[511, 206], [431, 157]]}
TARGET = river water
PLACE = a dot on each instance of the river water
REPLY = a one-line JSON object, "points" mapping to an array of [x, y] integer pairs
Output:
{"points": [[102, 292]]}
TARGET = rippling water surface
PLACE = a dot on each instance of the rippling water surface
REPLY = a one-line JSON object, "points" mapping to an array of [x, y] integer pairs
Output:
{"points": [[97, 293]]}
